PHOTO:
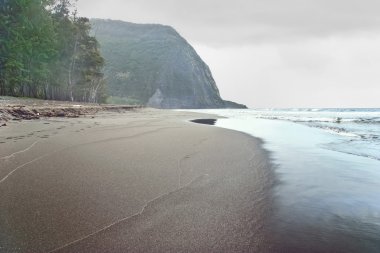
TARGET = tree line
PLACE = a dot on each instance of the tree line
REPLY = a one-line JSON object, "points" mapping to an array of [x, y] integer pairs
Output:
{"points": [[46, 51]]}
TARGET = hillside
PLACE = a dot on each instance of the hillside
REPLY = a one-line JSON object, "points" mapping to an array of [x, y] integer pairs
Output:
{"points": [[153, 65]]}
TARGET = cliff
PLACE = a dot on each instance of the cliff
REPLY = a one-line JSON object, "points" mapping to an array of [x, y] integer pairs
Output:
{"points": [[153, 65]]}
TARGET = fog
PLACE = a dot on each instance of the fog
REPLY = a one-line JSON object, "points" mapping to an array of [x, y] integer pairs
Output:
{"points": [[273, 53]]}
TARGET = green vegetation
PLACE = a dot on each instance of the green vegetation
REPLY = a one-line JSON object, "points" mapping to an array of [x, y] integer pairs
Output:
{"points": [[151, 64], [135, 55], [46, 51], [115, 100]]}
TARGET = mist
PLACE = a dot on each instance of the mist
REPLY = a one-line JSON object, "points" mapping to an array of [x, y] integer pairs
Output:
{"points": [[273, 53]]}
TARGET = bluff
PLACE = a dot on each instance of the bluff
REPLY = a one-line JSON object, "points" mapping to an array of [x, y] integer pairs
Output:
{"points": [[153, 65]]}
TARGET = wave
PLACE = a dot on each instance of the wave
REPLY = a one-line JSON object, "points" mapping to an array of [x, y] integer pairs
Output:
{"points": [[354, 131], [340, 131], [354, 153], [300, 119], [357, 128], [320, 109], [375, 120]]}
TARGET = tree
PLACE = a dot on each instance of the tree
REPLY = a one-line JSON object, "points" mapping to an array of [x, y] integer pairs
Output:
{"points": [[46, 52], [88, 73]]}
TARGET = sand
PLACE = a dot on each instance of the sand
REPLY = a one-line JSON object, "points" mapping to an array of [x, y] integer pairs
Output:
{"points": [[139, 181]]}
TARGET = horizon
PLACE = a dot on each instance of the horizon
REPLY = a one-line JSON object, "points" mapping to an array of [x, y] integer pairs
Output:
{"points": [[270, 54]]}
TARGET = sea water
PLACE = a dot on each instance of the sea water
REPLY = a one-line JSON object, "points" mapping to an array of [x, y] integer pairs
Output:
{"points": [[327, 165]]}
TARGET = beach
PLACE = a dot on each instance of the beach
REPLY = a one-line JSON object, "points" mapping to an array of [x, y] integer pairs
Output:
{"points": [[142, 180], [326, 195]]}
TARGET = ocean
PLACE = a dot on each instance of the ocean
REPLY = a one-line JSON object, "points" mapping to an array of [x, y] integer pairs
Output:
{"points": [[327, 169]]}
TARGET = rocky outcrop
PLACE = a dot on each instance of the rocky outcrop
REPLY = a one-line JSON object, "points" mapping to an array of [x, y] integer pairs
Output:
{"points": [[154, 66]]}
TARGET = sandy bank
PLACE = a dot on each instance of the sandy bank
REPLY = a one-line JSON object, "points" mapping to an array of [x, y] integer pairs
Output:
{"points": [[26, 109], [143, 181]]}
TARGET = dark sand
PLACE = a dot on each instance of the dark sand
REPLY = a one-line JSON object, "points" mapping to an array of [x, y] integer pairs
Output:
{"points": [[141, 181], [204, 121]]}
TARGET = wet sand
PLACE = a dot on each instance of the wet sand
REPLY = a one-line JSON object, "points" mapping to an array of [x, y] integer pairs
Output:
{"points": [[140, 181]]}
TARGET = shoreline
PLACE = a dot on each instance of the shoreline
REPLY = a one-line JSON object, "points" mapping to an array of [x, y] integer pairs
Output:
{"points": [[142, 181], [310, 210]]}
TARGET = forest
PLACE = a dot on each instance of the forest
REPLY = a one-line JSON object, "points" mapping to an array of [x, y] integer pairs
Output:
{"points": [[47, 52]]}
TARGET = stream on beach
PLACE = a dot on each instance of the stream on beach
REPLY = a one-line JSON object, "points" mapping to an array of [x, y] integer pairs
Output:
{"points": [[327, 169]]}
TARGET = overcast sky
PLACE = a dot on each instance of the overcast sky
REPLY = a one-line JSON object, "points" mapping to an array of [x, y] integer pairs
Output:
{"points": [[273, 53]]}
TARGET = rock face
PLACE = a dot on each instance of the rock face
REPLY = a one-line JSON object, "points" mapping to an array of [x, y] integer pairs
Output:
{"points": [[154, 66]]}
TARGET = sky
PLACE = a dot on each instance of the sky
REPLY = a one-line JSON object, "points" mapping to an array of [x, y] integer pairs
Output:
{"points": [[273, 53]]}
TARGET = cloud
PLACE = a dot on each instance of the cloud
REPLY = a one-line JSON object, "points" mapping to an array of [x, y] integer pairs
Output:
{"points": [[273, 53], [318, 72], [221, 23]]}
